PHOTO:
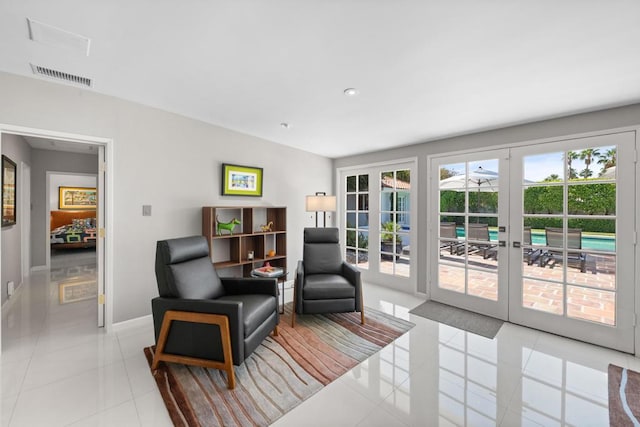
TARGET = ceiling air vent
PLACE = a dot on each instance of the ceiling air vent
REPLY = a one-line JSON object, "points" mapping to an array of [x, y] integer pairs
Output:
{"points": [[60, 75]]}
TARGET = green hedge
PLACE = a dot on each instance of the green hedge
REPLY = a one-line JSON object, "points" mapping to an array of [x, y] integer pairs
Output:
{"points": [[585, 199]]}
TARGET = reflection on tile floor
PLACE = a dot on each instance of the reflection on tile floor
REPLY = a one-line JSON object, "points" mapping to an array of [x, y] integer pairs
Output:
{"points": [[59, 369]]}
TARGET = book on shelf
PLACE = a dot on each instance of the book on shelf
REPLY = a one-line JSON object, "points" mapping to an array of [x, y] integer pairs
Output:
{"points": [[268, 271]]}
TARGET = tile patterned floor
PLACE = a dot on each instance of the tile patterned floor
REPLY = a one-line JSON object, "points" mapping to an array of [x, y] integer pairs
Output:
{"points": [[58, 369]]}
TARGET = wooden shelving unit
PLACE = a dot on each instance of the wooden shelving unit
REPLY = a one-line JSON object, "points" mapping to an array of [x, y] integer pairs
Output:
{"points": [[230, 251]]}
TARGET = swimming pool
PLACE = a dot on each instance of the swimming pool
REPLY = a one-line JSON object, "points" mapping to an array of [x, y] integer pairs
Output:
{"points": [[595, 242]]}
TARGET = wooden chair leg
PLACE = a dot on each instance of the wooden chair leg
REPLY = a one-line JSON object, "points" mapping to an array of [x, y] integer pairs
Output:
{"points": [[275, 331], [212, 319], [293, 306], [362, 316]]}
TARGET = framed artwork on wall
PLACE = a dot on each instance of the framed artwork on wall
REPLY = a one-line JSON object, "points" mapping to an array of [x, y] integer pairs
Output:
{"points": [[84, 198], [241, 180], [8, 191]]}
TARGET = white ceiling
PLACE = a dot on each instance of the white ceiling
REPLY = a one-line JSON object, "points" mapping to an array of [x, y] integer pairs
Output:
{"points": [[60, 145], [424, 69]]}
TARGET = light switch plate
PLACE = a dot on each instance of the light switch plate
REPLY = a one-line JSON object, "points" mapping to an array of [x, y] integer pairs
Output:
{"points": [[146, 210]]}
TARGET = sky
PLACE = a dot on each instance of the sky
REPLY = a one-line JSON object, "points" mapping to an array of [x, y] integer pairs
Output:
{"points": [[536, 167]]}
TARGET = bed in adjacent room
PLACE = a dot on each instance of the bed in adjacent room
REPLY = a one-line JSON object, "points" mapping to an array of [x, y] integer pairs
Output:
{"points": [[73, 229]]}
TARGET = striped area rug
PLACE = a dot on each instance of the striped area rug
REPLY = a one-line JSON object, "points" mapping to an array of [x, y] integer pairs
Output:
{"points": [[624, 397], [282, 372]]}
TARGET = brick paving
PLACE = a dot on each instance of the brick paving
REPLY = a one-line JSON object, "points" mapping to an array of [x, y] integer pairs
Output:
{"points": [[589, 295]]}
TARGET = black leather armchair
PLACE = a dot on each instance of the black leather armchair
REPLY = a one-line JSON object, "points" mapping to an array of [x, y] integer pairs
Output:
{"points": [[204, 320], [324, 282]]}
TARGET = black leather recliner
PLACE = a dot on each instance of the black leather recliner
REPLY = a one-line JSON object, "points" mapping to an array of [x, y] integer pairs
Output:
{"points": [[324, 282], [205, 320]]}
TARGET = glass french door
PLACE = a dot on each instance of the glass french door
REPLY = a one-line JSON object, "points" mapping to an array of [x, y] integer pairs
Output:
{"points": [[378, 206], [469, 200], [559, 254], [572, 238]]}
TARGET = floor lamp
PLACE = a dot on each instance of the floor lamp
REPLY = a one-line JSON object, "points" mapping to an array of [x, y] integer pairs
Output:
{"points": [[321, 203]]}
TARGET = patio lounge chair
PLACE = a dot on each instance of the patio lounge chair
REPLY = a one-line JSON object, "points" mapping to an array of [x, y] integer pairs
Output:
{"points": [[529, 254], [448, 231], [574, 241], [480, 232]]}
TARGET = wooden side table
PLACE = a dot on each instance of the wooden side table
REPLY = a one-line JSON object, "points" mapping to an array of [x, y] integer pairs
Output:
{"points": [[280, 278]]}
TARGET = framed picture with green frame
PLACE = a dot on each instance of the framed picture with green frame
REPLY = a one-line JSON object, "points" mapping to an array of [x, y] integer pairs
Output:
{"points": [[240, 180]]}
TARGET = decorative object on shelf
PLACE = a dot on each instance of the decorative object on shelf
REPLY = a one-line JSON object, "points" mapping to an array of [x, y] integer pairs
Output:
{"points": [[8, 192], [230, 252], [229, 226], [77, 198], [271, 253], [267, 227], [250, 255], [267, 270], [241, 180]]}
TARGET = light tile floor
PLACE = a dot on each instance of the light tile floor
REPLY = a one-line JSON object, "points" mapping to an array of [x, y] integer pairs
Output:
{"points": [[58, 369]]}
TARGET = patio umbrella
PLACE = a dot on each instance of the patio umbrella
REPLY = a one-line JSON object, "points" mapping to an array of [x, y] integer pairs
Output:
{"points": [[480, 180]]}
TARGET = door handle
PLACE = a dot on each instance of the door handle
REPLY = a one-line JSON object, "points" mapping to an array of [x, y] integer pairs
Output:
{"points": [[516, 244], [502, 243]]}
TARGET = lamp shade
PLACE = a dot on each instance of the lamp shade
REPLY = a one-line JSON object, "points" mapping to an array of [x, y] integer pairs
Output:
{"points": [[321, 203]]}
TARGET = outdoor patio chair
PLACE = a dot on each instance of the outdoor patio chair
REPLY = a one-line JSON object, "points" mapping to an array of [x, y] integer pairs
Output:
{"points": [[448, 231], [481, 232], [574, 241], [529, 254]]}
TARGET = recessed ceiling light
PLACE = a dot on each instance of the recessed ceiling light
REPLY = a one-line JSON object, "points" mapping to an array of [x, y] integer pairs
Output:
{"points": [[350, 91], [285, 125]]}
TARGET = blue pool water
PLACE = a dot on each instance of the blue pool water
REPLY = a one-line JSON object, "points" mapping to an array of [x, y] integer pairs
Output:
{"points": [[589, 241]]}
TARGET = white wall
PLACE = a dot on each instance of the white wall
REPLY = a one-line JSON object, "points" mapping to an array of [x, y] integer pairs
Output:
{"points": [[16, 148], [580, 123], [167, 161]]}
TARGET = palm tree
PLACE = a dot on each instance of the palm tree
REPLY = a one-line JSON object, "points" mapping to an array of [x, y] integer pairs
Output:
{"points": [[588, 155], [571, 156], [608, 159]]}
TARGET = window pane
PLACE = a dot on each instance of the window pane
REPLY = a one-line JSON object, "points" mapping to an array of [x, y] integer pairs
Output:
{"points": [[543, 200], [363, 240], [351, 184], [451, 278], [363, 182], [542, 296], [363, 202], [544, 167], [591, 304], [592, 199], [363, 220], [351, 238], [351, 202], [403, 179], [351, 220]]}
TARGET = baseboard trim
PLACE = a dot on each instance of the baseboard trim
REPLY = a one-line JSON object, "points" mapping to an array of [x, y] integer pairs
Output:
{"points": [[132, 323]]}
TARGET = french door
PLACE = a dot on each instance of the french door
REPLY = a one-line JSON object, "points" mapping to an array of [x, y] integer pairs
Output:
{"points": [[560, 254], [377, 221], [572, 229], [469, 197]]}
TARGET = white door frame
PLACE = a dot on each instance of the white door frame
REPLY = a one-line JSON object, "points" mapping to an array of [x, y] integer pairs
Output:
{"points": [[498, 308], [106, 220], [403, 284], [25, 219], [432, 234], [619, 336]]}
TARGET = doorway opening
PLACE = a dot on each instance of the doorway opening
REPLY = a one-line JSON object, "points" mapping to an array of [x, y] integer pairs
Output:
{"points": [[79, 273]]}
